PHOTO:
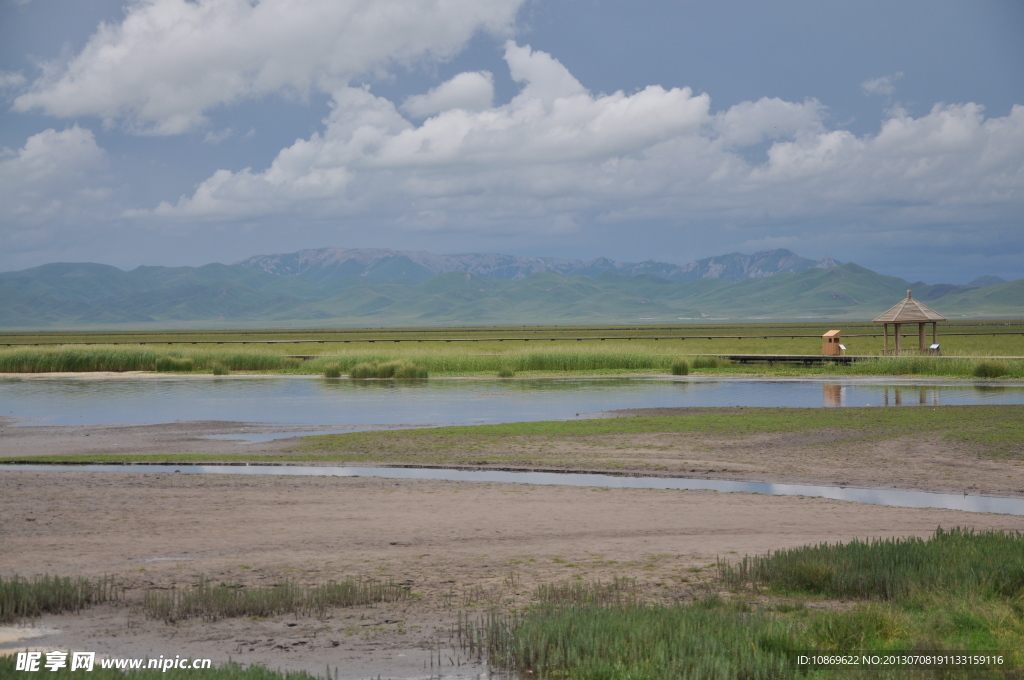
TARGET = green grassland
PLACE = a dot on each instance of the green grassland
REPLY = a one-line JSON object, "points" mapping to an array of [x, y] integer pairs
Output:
{"points": [[510, 351], [995, 432]]}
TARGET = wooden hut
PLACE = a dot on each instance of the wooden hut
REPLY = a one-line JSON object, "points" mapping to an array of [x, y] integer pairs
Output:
{"points": [[830, 343], [910, 310]]}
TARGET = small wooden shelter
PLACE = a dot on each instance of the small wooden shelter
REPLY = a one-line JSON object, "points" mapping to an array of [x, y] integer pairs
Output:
{"points": [[830, 343], [910, 310]]}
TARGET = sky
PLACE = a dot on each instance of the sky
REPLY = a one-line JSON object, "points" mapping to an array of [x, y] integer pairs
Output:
{"points": [[889, 133]]}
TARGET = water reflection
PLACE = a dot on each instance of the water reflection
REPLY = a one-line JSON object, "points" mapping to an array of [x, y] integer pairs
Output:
{"points": [[899, 396], [323, 403], [892, 497]]}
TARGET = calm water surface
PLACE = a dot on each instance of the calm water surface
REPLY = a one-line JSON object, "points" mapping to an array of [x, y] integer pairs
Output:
{"points": [[895, 497], [313, 402]]}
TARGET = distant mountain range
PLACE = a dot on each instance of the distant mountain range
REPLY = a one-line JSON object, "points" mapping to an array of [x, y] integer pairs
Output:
{"points": [[336, 287], [326, 265]]}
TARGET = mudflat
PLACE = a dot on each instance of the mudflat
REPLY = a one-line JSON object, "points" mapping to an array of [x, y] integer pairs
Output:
{"points": [[456, 546]]}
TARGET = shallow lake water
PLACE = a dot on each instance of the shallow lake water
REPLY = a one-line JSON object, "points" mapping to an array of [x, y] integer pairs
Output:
{"points": [[341, 403], [894, 497]]}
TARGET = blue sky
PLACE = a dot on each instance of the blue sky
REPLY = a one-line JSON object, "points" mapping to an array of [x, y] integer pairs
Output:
{"points": [[169, 132]]}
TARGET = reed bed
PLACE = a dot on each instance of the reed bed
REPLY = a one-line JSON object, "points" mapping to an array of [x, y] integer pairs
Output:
{"points": [[399, 370], [121, 359], [513, 357], [985, 564], [22, 598], [214, 602], [453, 362], [959, 590], [635, 642], [958, 367]]}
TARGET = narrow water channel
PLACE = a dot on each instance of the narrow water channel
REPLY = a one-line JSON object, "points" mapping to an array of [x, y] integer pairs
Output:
{"points": [[893, 497]]}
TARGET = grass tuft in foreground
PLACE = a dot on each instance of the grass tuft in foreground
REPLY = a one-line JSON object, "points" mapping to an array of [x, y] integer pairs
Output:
{"points": [[959, 562], [958, 592], [213, 602], [22, 598]]}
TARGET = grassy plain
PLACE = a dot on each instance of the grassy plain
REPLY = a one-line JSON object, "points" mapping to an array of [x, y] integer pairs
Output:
{"points": [[509, 351]]}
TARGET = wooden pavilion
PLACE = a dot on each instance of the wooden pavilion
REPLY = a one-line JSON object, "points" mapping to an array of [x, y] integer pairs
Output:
{"points": [[909, 310]]}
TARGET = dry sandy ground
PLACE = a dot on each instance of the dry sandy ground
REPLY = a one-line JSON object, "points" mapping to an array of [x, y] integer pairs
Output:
{"points": [[453, 544]]}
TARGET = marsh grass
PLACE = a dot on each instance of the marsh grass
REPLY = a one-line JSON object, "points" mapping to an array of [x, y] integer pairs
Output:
{"points": [[505, 372], [706, 362], [985, 564], [213, 602], [680, 367], [399, 370], [991, 369], [22, 598], [173, 363], [617, 592], [632, 641], [959, 591], [487, 358], [219, 369], [121, 359], [332, 371]]}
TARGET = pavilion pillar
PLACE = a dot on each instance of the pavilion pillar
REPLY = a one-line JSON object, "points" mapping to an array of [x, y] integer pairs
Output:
{"points": [[920, 336], [885, 334], [935, 333], [898, 344]]}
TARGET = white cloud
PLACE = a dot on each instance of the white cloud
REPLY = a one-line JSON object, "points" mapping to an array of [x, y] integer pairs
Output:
{"points": [[471, 91], [169, 61], [54, 182], [558, 157], [11, 79], [885, 85]]}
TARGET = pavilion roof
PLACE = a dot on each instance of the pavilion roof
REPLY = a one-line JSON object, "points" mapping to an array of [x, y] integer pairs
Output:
{"points": [[909, 310]]}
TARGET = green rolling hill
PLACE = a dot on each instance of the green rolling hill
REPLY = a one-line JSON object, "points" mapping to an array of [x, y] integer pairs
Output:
{"points": [[85, 295]]}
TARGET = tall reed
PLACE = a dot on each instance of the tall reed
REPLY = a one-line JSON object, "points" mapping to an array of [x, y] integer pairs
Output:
{"points": [[957, 561], [213, 602], [22, 598], [400, 370], [634, 642]]}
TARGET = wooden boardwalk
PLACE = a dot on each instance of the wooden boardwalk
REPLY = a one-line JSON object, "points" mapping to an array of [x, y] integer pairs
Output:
{"points": [[809, 359]]}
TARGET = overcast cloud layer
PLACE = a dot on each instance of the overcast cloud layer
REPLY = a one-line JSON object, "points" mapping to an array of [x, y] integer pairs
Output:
{"points": [[516, 155]]}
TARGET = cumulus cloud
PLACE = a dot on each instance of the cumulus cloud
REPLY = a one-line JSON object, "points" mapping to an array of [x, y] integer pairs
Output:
{"points": [[557, 156], [472, 91], [55, 180], [885, 85], [170, 61]]}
